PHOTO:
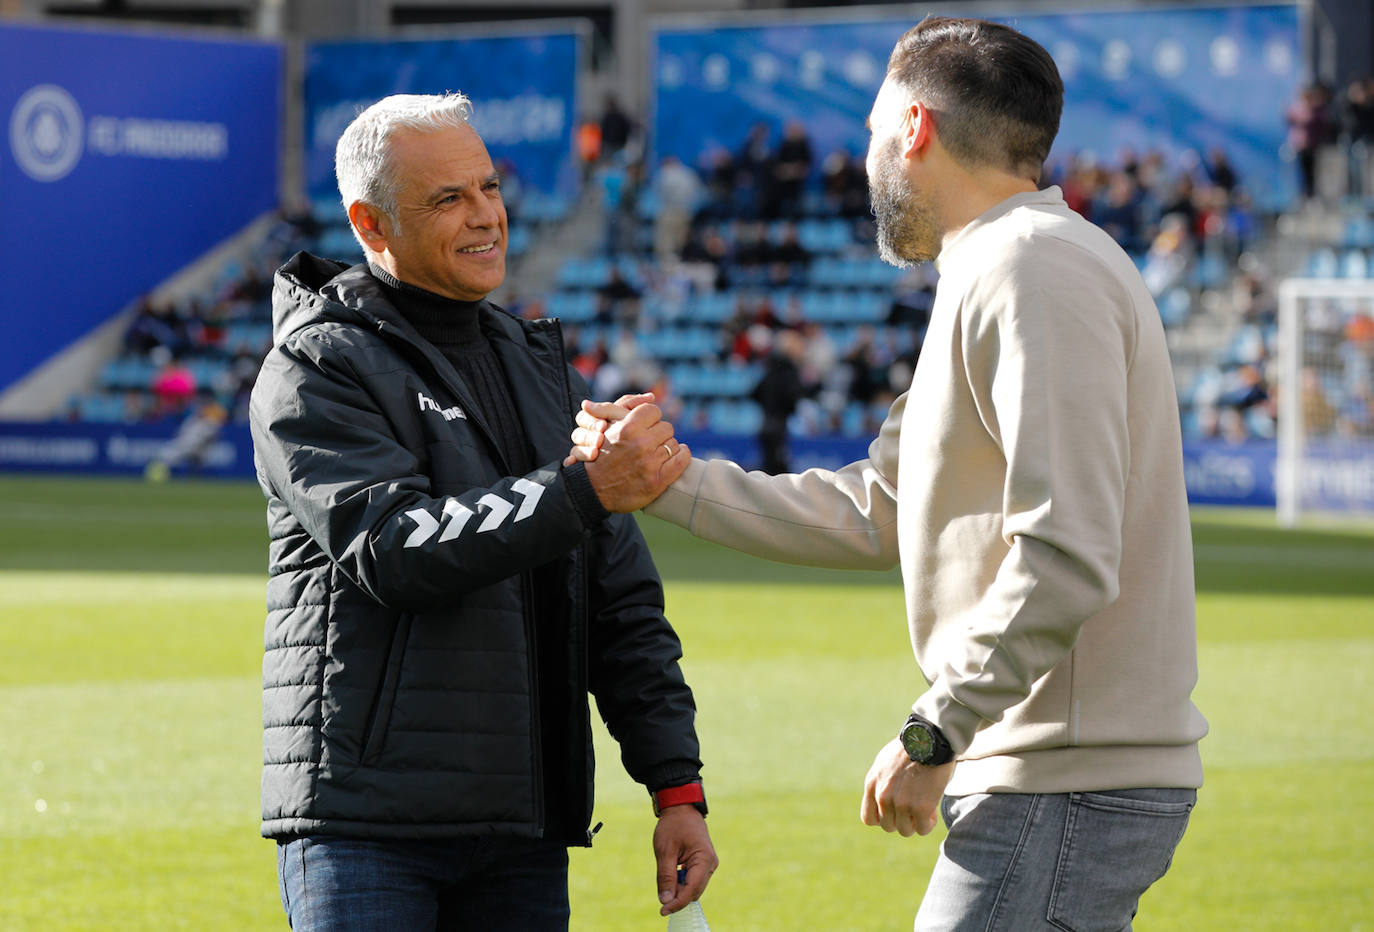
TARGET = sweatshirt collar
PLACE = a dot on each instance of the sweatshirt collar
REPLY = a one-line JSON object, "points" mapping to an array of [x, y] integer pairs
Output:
{"points": [[1048, 197]]}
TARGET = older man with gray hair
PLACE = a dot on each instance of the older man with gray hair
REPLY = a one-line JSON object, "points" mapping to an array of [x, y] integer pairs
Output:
{"points": [[444, 593]]}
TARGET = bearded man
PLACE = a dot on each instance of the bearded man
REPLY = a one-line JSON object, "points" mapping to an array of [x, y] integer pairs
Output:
{"points": [[1030, 484]]}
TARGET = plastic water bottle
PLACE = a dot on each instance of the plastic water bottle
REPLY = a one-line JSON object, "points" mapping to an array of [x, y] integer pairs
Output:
{"points": [[689, 918]]}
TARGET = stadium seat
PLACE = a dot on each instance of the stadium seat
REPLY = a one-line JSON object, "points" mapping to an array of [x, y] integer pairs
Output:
{"points": [[1354, 264], [713, 380], [518, 241], [537, 207], [1210, 271], [572, 306], [100, 408], [207, 370], [1322, 263], [1175, 306], [712, 307], [584, 273], [734, 417], [1358, 232], [694, 343], [338, 243]]}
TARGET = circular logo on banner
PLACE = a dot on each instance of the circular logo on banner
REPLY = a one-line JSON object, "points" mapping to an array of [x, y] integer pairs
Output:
{"points": [[46, 132]]}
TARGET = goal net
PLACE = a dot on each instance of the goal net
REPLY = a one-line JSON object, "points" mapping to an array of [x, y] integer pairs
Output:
{"points": [[1326, 398]]}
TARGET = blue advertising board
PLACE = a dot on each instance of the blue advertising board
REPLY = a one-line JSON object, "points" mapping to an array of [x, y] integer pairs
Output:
{"points": [[1337, 476], [1174, 79], [523, 90], [85, 448], [1221, 473], [1217, 473], [127, 155]]}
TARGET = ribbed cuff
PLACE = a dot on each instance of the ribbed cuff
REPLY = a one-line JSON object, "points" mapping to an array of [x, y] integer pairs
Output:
{"points": [[675, 773], [583, 495]]}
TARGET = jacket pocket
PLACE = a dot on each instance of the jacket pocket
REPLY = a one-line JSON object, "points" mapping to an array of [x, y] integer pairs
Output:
{"points": [[384, 701]]}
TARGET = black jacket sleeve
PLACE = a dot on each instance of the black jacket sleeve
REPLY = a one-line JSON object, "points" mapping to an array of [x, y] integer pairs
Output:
{"points": [[635, 676], [327, 450]]}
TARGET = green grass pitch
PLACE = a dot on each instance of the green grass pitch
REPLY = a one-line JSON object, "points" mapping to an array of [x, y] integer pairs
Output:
{"points": [[129, 707]]}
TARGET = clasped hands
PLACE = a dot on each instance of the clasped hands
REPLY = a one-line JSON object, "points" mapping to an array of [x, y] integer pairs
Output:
{"points": [[631, 458], [630, 451]]}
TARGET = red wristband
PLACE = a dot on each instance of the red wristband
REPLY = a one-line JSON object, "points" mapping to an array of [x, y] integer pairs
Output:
{"points": [[689, 794]]}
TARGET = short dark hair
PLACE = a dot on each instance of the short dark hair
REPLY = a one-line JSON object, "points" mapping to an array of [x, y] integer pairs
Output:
{"points": [[996, 93]]}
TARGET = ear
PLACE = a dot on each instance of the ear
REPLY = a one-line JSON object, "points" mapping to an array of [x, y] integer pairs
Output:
{"points": [[369, 222], [918, 128]]}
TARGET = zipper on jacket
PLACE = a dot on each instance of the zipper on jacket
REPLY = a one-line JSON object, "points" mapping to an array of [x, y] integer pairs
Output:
{"points": [[384, 700], [536, 709], [526, 582], [473, 414], [579, 748]]}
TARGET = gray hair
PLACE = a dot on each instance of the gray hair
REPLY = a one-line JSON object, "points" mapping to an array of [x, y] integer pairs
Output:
{"points": [[362, 159]]}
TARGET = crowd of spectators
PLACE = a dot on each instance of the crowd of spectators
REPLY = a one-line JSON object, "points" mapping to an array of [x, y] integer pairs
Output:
{"points": [[193, 362], [731, 227], [1323, 119]]}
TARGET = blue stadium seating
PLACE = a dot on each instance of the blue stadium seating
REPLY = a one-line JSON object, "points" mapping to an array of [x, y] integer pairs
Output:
{"points": [[572, 306], [1175, 306], [1358, 232], [1322, 263], [734, 417], [712, 380], [690, 343]]}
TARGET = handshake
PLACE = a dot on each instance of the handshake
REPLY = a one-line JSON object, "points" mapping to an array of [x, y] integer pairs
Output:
{"points": [[629, 450]]}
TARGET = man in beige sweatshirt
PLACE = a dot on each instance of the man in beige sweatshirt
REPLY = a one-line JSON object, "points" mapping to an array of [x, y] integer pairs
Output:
{"points": [[1030, 483]]}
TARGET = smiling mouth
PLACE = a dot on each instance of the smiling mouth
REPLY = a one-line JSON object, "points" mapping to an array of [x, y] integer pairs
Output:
{"points": [[479, 250]]}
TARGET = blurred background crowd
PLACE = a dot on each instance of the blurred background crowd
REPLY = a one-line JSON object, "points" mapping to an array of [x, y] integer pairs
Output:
{"points": [[741, 284]]}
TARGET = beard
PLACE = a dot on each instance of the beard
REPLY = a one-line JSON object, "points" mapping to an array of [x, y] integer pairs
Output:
{"points": [[906, 227]]}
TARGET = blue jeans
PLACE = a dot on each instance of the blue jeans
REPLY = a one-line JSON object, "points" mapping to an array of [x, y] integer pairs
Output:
{"points": [[490, 884], [1067, 861]]}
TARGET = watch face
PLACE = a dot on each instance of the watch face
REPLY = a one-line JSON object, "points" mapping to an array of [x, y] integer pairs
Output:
{"points": [[919, 744]]}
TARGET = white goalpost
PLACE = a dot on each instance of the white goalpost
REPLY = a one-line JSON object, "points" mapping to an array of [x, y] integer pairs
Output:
{"points": [[1326, 399]]}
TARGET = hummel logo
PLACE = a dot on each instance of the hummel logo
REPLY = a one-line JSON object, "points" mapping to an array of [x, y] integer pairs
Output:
{"points": [[429, 404], [458, 515]]}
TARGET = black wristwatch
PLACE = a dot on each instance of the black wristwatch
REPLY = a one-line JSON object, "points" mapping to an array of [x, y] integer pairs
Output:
{"points": [[924, 742]]}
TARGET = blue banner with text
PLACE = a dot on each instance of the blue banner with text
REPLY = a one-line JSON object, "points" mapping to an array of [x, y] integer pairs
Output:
{"points": [[523, 90], [129, 155], [1177, 79]]}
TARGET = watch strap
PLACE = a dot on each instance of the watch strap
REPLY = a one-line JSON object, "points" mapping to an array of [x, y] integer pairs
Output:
{"points": [[688, 794]]}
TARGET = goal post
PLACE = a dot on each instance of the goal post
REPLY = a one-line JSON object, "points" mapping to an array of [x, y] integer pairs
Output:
{"points": [[1325, 456]]}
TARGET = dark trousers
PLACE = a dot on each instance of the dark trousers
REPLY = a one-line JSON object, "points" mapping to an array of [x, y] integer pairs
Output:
{"points": [[490, 884]]}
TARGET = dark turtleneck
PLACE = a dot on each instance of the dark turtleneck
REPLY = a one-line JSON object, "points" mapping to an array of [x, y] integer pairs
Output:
{"points": [[454, 327], [455, 330]]}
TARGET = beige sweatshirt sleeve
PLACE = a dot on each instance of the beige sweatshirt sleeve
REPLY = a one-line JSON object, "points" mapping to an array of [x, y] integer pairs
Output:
{"points": [[846, 519], [1047, 344]]}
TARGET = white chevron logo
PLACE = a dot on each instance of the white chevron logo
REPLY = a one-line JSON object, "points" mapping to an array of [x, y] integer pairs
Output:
{"points": [[499, 509], [458, 515]]}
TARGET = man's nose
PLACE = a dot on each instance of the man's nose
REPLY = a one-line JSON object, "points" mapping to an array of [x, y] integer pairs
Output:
{"points": [[484, 213]]}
